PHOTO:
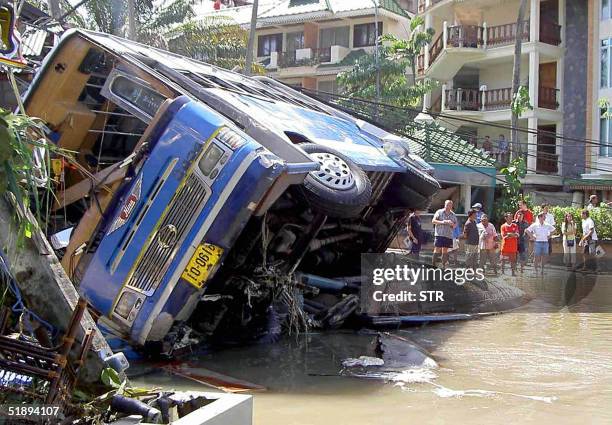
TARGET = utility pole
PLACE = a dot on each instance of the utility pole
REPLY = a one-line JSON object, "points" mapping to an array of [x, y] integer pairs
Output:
{"points": [[54, 9], [248, 62], [515, 147], [131, 20]]}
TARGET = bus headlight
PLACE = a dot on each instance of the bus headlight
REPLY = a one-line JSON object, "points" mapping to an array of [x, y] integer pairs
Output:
{"points": [[128, 305]]}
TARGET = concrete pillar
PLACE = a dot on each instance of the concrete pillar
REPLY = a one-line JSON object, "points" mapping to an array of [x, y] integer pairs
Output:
{"points": [[484, 35], [559, 82], [466, 196], [562, 20], [444, 34], [428, 23], [427, 101], [534, 77], [578, 199], [443, 98], [532, 148], [534, 20]]}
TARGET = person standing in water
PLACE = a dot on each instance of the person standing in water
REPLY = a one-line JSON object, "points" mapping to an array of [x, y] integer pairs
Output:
{"points": [[444, 221]]}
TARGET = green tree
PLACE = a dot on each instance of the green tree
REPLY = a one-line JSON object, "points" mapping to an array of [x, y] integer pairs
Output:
{"points": [[396, 56], [511, 189], [216, 40]]}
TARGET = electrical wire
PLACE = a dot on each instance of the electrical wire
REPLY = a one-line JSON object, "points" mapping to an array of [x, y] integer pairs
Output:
{"points": [[462, 119], [447, 133]]}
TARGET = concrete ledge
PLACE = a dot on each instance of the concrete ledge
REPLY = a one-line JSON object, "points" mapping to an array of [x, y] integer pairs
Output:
{"points": [[234, 409]]}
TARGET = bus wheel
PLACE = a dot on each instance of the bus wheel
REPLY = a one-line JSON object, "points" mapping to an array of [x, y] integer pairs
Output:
{"points": [[339, 188]]}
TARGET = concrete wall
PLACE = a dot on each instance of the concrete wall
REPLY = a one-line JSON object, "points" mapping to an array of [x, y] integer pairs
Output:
{"points": [[499, 76], [575, 86]]}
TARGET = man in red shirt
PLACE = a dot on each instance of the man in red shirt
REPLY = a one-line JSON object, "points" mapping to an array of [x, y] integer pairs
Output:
{"points": [[509, 248], [527, 214]]}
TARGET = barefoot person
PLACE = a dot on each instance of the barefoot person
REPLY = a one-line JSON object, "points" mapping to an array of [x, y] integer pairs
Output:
{"points": [[522, 239], [415, 233], [444, 221], [540, 233], [472, 238], [568, 230], [509, 248], [588, 242], [488, 244]]}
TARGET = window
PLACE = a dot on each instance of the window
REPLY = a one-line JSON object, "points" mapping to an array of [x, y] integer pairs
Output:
{"points": [[337, 36], [605, 135], [365, 34], [605, 63], [266, 44], [295, 40], [606, 9]]}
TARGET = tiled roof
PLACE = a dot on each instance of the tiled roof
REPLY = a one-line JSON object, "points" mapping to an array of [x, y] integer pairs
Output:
{"points": [[447, 148], [293, 8], [589, 184]]}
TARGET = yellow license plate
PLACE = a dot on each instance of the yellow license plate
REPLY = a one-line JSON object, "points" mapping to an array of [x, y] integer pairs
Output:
{"points": [[203, 260]]}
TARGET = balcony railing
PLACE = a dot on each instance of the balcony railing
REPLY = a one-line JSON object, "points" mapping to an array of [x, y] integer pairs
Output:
{"points": [[465, 36], [500, 35], [290, 59], [463, 99], [421, 64], [550, 33], [547, 163], [322, 54], [436, 48], [484, 37], [547, 97], [496, 99], [287, 59], [469, 99]]}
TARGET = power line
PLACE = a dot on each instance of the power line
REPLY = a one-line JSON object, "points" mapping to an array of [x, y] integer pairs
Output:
{"points": [[447, 133], [473, 121]]}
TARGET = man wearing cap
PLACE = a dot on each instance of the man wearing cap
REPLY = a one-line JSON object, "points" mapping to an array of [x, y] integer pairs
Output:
{"points": [[479, 213], [593, 202], [540, 233]]}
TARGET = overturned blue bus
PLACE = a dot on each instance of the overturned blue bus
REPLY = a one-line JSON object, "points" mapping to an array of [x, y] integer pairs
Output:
{"points": [[207, 192]]}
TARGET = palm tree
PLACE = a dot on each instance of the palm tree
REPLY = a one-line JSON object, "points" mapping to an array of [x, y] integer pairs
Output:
{"points": [[394, 58]]}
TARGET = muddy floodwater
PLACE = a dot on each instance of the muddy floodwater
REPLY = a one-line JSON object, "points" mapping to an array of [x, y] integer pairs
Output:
{"points": [[544, 363]]}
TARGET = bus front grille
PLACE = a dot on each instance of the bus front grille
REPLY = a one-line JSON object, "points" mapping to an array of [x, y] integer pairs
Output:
{"points": [[169, 235]]}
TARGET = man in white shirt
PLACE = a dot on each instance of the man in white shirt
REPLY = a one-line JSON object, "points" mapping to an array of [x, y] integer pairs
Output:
{"points": [[540, 232], [589, 238]]}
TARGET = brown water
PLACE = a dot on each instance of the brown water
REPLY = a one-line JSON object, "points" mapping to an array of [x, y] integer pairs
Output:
{"points": [[529, 366]]}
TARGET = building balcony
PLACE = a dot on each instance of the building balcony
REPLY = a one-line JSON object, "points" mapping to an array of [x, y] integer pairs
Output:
{"points": [[466, 99], [307, 57], [461, 44]]}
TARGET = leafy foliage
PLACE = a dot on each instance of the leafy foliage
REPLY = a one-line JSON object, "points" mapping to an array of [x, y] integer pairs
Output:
{"points": [[520, 102], [602, 217], [511, 189], [19, 172], [215, 40], [395, 57]]}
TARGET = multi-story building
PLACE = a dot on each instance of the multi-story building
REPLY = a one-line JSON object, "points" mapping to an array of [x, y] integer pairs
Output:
{"points": [[598, 173], [307, 43], [472, 55]]}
